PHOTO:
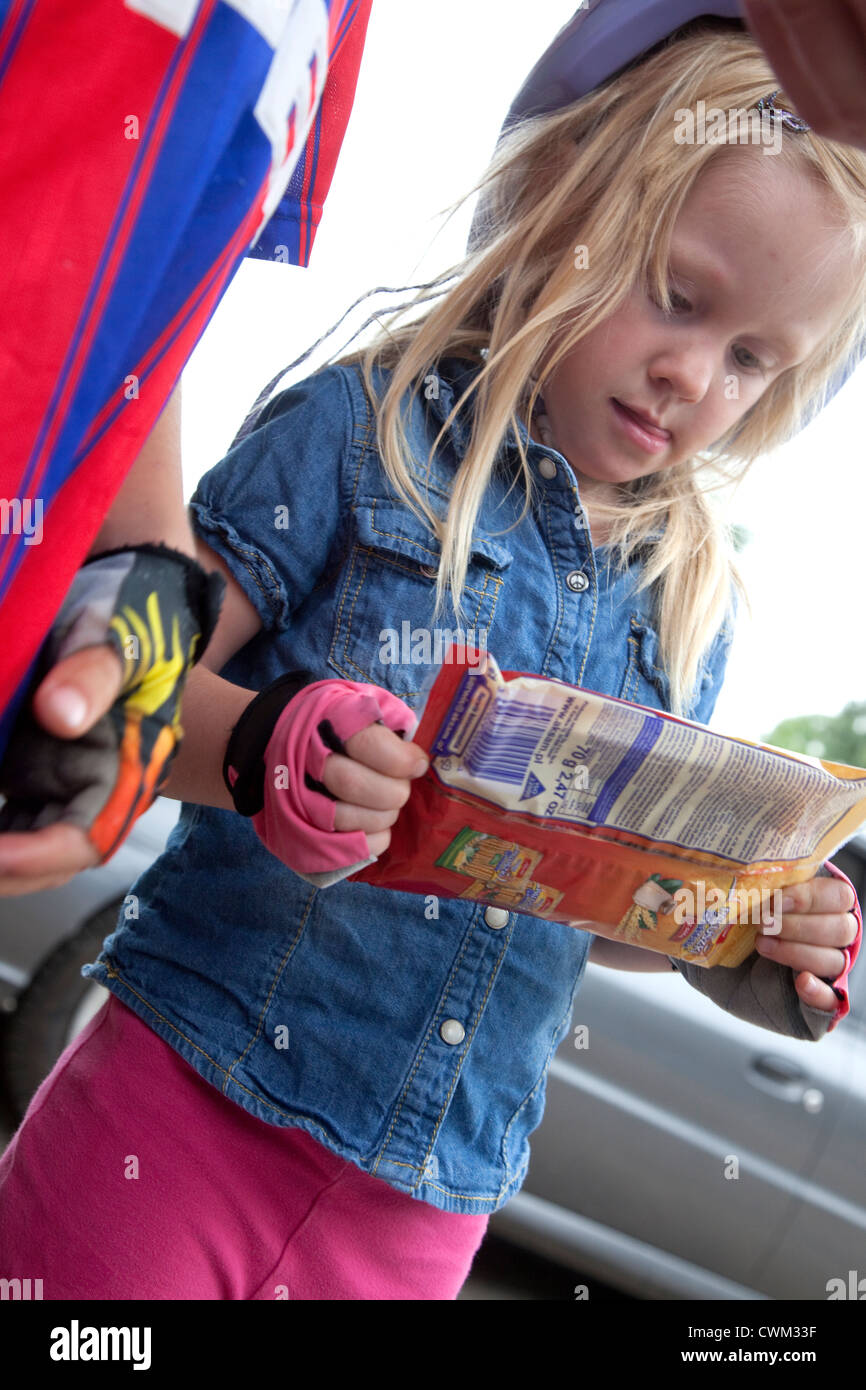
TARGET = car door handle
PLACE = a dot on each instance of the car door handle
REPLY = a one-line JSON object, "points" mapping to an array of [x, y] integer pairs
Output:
{"points": [[786, 1080]]}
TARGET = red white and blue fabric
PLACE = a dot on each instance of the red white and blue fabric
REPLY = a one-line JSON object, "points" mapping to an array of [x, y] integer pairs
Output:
{"points": [[146, 148]]}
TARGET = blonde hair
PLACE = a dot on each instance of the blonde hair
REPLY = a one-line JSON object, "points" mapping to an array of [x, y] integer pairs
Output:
{"points": [[605, 172]]}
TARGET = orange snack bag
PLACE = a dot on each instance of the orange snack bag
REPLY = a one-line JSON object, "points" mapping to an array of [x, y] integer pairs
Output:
{"points": [[548, 799]]}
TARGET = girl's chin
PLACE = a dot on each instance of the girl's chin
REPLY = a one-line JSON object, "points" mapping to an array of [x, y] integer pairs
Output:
{"points": [[614, 477], [612, 470]]}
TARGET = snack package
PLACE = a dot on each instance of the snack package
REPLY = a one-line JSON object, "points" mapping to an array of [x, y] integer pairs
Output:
{"points": [[552, 800]]}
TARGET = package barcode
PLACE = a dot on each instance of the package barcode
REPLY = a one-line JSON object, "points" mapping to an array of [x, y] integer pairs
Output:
{"points": [[507, 740]]}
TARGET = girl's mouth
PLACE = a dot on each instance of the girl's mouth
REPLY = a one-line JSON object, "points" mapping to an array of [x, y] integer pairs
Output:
{"points": [[647, 436]]}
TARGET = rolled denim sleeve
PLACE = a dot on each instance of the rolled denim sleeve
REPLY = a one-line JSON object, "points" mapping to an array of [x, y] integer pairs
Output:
{"points": [[272, 507]]}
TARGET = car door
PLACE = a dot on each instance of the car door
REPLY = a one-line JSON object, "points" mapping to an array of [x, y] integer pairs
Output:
{"points": [[681, 1126], [823, 1235]]}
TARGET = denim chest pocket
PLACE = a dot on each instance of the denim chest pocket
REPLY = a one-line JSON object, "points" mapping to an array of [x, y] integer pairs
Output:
{"points": [[383, 628], [645, 681]]}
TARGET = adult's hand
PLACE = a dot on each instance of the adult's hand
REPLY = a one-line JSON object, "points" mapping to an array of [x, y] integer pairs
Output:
{"points": [[74, 696], [133, 624], [81, 688], [817, 49]]}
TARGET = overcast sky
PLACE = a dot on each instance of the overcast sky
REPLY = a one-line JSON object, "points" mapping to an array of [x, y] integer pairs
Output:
{"points": [[435, 84]]}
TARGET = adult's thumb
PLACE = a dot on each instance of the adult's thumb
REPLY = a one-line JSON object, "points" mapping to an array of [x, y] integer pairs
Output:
{"points": [[78, 691]]}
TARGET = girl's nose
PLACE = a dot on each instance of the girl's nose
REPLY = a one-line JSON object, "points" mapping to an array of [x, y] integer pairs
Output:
{"points": [[689, 372]]}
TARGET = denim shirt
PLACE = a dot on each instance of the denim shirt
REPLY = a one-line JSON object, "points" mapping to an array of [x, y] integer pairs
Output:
{"points": [[324, 1008]]}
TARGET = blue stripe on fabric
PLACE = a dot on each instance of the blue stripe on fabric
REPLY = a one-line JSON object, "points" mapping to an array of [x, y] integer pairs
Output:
{"points": [[197, 197], [59, 465], [293, 210], [16, 32], [180, 328]]}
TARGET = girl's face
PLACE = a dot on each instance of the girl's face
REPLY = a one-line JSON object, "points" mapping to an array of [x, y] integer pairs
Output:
{"points": [[760, 278]]}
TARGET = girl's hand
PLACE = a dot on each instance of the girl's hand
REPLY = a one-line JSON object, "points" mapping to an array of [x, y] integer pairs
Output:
{"points": [[372, 783], [818, 922], [323, 768]]}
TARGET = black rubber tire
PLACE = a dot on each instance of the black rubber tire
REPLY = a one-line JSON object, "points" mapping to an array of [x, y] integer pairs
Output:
{"points": [[34, 1036]]}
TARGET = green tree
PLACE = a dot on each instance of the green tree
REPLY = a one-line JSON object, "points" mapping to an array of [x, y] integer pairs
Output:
{"points": [[838, 738]]}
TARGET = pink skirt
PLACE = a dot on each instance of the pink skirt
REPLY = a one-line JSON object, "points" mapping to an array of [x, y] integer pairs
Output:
{"points": [[131, 1177]]}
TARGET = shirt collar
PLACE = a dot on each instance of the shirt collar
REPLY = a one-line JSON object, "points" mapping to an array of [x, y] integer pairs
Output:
{"points": [[442, 390]]}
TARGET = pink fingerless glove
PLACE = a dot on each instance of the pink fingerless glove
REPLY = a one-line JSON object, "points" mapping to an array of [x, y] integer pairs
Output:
{"points": [[840, 984], [294, 813]]}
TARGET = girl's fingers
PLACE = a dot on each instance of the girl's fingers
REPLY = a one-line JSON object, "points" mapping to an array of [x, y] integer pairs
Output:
{"points": [[351, 781], [817, 895], [816, 928], [348, 817], [379, 842], [381, 750], [817, 993], [821, 960]]}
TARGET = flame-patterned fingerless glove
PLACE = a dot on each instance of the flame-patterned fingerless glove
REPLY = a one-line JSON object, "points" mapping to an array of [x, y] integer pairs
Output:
{"points": [[157, 608]]}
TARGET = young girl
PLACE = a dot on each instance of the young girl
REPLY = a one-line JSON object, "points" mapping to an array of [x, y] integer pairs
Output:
{"points": [[308, 1091]]}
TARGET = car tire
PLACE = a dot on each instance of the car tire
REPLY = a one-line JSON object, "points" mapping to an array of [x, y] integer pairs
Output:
{"points": [[53, 1009]]}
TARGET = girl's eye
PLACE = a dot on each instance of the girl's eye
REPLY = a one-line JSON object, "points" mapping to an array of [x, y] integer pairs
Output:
{"points": [[754, 365], [676, 299], [680, 304]]}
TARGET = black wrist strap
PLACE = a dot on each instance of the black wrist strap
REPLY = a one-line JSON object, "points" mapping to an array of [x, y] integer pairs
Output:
{"points": [[249, 739]]}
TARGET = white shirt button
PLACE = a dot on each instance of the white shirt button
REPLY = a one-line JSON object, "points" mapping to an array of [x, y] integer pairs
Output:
{"points": [[547, 468], [577, 581], [452, 1031], [496, 917]]}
